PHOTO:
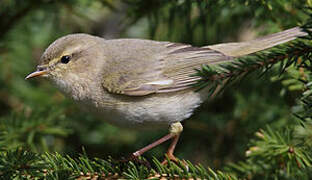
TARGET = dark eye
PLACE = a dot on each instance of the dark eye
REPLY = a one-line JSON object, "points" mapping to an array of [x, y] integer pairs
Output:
{"points": [[65, 59]]}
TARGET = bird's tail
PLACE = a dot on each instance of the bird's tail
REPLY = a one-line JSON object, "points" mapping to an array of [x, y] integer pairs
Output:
{"points": [[248, 47]]}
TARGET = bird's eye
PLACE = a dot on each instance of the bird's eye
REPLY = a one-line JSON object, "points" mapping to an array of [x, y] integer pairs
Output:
{"points": [[65, 59]]}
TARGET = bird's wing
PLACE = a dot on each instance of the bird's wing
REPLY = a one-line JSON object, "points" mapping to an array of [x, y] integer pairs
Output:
{"points": [[142, 67]]}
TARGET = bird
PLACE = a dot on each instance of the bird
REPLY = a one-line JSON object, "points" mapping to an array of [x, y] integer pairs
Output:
{"points": [[140, 83]]}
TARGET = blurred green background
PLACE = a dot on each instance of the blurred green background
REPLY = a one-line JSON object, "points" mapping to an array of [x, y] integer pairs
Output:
{"points": [[36, 115]]}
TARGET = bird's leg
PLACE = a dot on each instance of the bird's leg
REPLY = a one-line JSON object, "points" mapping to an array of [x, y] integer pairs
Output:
{"points": [[154, 144], [175, 130]]}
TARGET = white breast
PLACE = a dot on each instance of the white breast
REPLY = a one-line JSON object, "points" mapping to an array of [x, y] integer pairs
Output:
{"points": [[152, 111]]}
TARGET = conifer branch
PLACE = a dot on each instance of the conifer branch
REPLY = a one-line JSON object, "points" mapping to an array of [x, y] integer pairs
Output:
{"points": [[229, 73], [23, 164]]}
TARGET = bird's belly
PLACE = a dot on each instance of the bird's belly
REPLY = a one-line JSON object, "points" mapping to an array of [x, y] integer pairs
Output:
{"points": [[150, 112]]}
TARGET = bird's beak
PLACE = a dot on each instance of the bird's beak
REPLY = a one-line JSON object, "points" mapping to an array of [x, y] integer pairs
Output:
{"points": [[36, 73]]}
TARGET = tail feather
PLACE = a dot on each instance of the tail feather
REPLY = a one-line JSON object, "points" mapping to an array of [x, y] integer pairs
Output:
{"points": [[248, 47]]}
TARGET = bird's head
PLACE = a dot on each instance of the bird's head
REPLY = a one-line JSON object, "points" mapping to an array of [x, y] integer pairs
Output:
{"points": [[71, 54]]}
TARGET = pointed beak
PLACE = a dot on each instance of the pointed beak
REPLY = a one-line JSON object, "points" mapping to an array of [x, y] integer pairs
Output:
{"points": [[36, 73]]}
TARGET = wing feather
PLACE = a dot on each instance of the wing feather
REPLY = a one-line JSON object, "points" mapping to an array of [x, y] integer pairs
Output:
{"points": [[156, 67]]}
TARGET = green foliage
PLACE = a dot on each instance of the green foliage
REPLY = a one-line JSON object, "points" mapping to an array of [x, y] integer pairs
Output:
{"points": [[199, 22], [276, 155], [27, 129], [22, 164]]}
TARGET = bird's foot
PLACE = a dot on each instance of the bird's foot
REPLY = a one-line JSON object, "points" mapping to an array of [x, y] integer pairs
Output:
{"points": [[170, 157]]}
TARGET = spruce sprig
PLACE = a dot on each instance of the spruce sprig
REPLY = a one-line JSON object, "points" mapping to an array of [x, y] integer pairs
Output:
{"points": [[23, 164], [228, 73]]}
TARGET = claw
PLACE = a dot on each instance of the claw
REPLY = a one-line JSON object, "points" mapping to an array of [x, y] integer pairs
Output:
{"points": [[169, 157], [175, 160]]}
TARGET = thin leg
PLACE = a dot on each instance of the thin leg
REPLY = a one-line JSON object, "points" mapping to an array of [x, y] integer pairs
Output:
{"points": [[156, 143], [175, 130], [173, 144], [171, 150]]}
